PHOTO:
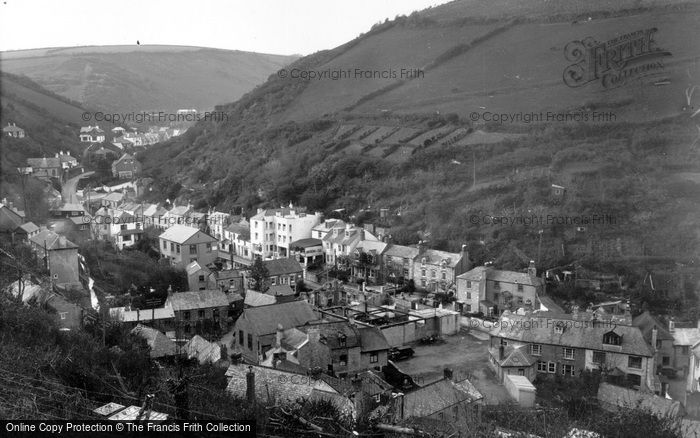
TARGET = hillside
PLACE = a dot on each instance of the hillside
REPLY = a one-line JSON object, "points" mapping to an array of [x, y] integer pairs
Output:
{"points": [[144, 78], [412, 145], [51, 123]]}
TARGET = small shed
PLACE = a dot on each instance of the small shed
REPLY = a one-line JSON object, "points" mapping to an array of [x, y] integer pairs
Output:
{"points": [[520, 388]]}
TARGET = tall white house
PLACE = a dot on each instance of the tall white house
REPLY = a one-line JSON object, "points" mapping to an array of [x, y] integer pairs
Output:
{"points": [[272, 230]]}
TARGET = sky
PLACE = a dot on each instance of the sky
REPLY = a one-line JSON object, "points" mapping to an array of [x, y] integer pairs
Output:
{"points": [[268, 26]]}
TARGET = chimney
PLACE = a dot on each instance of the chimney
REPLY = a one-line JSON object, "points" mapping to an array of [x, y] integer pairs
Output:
{"points": [[421, 246], [447, 373], [250, 386], [501, 351], [56, 155], [138, 315], [671, 325], [531, 269], [280, 335], [654, 336]]}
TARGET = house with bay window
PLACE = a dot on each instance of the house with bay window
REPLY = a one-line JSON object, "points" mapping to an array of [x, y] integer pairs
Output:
{"points": [[567, 344]]}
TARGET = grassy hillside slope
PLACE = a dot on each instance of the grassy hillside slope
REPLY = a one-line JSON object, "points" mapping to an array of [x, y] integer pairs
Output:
{"points": [[143, 78]]}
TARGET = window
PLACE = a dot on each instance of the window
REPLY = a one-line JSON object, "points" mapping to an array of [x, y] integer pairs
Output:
{"points": [[658, 344], [290, 228], [598, 357], [423, 283], [612, 338], [208, 247], [193, 249], [551, 367], [520, 287], [521, 371], [250, 341], [469, 295], [684, 350], [536, 350], [200, 314], [444, 276], [469, 308], [63, 315], [567, 370], [432, 273], [634, 379], [165, 245], [177, 249], [172, 247], [496, 285], [342, 341], [568, 353], [122, 227], [240, 337], [541, 366], [373, 358], [469, 284], [634, 362], [201, 278], [343, 359], [422, 272], [186, 315]]}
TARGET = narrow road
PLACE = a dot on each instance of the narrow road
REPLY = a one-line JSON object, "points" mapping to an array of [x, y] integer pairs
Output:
{"points": [[68, 191]]}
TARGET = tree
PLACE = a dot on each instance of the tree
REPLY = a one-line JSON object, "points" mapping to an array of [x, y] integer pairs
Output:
{"points": [[259, 274]]}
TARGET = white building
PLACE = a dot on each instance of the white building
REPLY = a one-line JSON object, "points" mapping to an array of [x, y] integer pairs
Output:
{"points": [[272, 230]]}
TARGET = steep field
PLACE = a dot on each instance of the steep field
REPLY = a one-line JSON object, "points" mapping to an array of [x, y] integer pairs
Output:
{"points": [[413, 146]]}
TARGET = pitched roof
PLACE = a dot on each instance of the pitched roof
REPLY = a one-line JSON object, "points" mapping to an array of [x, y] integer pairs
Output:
{"points": [[480, 273], [435, 257], [53, 241], [305, 243], [433, 398], [255, 299], [646, 324], [292, 314], [372, 339], [159, 343], [9, 219], [372, 245], [282, 386], [282, 266], [195, 267], [123, 315], [402, 251], [44, 162], [181, 233], [200, 299], [203, 350], [617, 396], [686, 336], [513, 356], [586, 334], [283, 290]]}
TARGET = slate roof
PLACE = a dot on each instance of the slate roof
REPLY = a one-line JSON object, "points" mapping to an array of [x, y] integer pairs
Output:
{"points": [[201, 299], [372, 245], [549, 304], [255, 299], [195, 267], [539, 329], [435, 257], [372, 339], [53, 241], [123, 315], [9, 219], [405, 252], [332, 332], [355, 234], [306, 243], [478, 273], [282, 266], [114, 196], [283, 290], [203, 350], [618, 397], [264, 319], [513, 356], [181, 234], [274, 385], [646, 323], [159, 343], [433, 398]]}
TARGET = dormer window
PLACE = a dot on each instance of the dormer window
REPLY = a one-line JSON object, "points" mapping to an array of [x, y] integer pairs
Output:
{"points": [[342, 340], [612, 338]]}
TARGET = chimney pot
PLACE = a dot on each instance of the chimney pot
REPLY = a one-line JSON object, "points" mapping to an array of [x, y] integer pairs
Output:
{"points": [[250, 386], [501, 351]]}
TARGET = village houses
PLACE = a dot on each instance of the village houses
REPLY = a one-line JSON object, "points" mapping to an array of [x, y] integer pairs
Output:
{"points": [[181, 245]]}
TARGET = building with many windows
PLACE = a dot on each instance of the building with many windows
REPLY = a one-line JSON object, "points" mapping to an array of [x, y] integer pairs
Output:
{"points": [[567, 344], [436, 271], [273, 230], [182, 245]]}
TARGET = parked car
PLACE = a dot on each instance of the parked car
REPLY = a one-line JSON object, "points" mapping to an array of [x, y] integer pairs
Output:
{"points": [[400, 353]]}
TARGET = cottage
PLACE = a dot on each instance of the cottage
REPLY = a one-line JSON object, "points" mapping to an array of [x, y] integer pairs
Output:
{"points": [[182, 245], [126, 167], [198, 312], [659, 340], [438, 270], [512, 360], [197, 276], [46, 168], [12, 130], [91, 134], [256, 328], [285, 271], [68, 315], [60, 256], [10, 219], [568, 344]]}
